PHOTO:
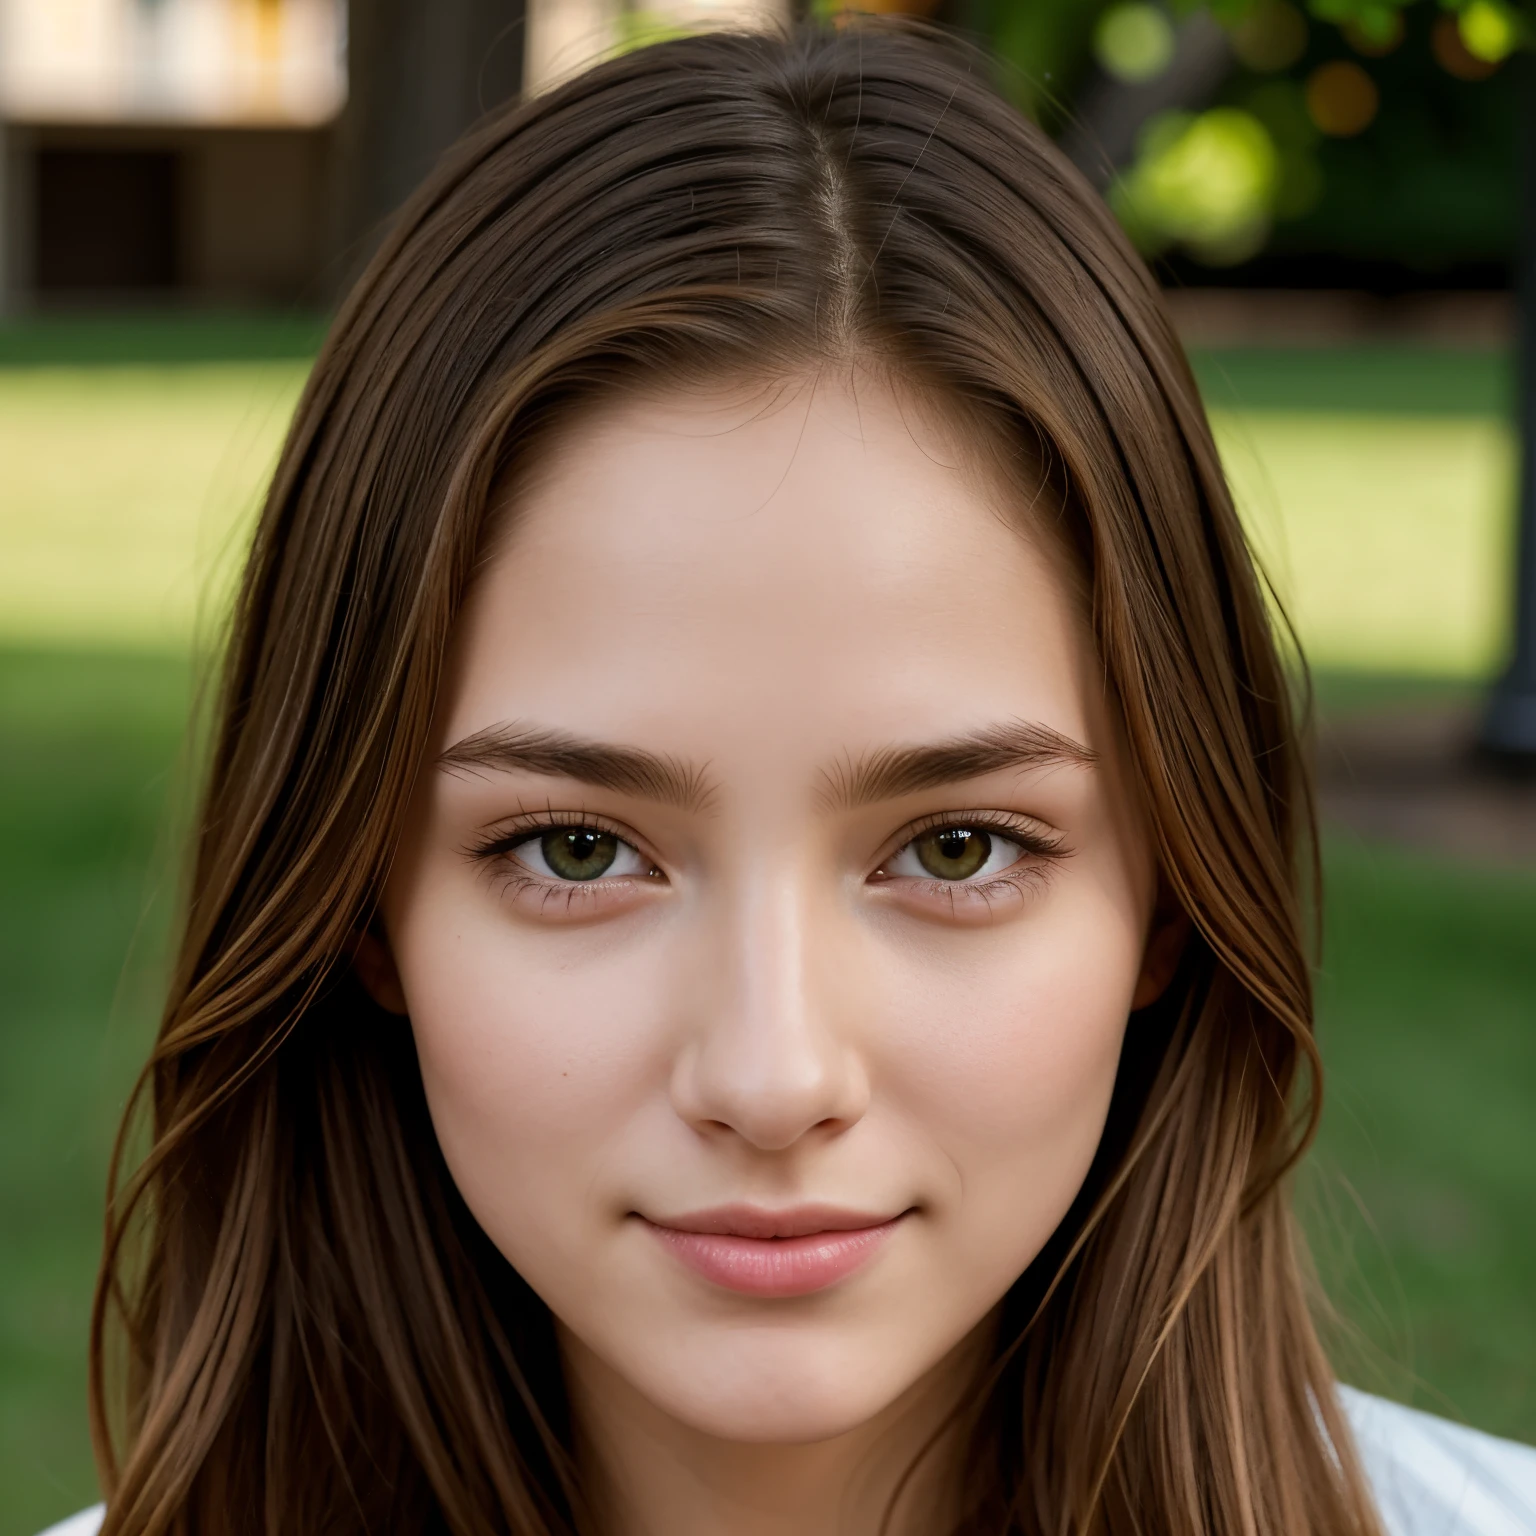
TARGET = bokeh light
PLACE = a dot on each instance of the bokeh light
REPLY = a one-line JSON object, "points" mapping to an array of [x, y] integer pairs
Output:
{"points": [[1489, 31], [1272, 36], [1342, 99], [1206, 181], [1453, 55], [1134, 42]]}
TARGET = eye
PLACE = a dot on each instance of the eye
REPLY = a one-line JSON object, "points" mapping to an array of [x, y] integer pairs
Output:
{"points": [[577, 853], [956, 853]]}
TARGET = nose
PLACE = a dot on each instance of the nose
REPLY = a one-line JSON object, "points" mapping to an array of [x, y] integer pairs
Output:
{"points": [[773, 1056]]}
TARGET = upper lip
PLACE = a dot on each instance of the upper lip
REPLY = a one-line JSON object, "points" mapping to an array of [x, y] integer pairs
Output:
{"points": [[758, 1222]]}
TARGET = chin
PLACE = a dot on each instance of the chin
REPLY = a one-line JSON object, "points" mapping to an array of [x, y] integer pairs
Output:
{"points": [[775, 1413], [763, 1389]]}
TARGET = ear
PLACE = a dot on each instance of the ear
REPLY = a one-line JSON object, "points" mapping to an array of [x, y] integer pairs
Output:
{"points": [[374, 963], [1166, 938]]}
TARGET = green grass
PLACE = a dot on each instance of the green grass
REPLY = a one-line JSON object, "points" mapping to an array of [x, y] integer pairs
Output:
{"points": [[87, 748], [1387, 536], [1423, 1185], [127, 491], [1382, 379], [1377, 485], [156, 340]]}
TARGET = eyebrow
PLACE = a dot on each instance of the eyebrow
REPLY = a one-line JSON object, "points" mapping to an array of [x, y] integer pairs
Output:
{"points": [[895, 771], [629, 770], [886, 774]]}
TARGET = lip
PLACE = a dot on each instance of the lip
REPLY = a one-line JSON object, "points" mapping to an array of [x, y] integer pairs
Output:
{"points": [[757, 1252]]}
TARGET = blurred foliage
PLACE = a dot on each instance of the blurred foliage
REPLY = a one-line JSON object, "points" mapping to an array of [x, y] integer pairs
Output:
{"points": [[1430, 183], [1208, 181], [1378, 131], [1134, 42]]}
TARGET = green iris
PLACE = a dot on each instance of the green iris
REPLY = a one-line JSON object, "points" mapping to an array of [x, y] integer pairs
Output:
{"points": [[953, 853], [579, 853]]}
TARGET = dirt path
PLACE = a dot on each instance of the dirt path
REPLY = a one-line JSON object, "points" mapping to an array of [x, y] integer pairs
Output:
{"points": [[1410, 775]]}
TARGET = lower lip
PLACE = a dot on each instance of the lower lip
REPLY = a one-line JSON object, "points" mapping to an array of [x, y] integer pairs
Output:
{"points": [[780, 1266]]}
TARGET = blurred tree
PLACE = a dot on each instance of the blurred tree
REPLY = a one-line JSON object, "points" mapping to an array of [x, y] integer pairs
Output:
{"points": [[419, 73], [1213, 178], [1510, 727], [1486, 32], [1229, 148], [1395, 161]]}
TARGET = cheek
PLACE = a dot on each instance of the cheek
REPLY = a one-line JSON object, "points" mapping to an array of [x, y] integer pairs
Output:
{"points": [[1009, 1058], [533, 1055], [1033, 1052]]}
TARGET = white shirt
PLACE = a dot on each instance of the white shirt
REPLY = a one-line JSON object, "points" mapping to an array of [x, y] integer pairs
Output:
{"points": [[1435, 1478], [1430, 1477]]}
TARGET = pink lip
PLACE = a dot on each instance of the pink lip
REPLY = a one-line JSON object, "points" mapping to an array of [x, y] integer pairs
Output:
{"points": [[775, 1253]]}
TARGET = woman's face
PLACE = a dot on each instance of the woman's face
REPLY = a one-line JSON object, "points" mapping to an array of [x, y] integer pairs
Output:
{"points": [[771, 912]]}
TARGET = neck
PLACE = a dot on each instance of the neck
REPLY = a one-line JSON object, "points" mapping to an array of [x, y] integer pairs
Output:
{"points": [[649, 1474]]}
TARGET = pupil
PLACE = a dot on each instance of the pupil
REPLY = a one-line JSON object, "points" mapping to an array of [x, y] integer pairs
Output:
{"points": [[579, 853], [954, 853], [952, 844]]}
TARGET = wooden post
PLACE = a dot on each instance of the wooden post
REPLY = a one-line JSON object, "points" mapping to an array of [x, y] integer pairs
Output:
{"points": [[1509, 728], [419, 73]]}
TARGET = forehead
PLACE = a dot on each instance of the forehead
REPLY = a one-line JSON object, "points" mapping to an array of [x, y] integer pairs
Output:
{"points": [[822, 551]]}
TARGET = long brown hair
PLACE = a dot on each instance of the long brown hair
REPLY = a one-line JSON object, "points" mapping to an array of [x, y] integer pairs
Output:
{"points": [[298, 1326]]}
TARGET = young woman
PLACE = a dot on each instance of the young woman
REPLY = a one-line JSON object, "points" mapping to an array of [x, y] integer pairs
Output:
{"points": [[745, 962]]}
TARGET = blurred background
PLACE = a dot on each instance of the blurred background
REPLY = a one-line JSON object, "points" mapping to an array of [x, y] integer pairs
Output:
{"points": [[1340, 196]]}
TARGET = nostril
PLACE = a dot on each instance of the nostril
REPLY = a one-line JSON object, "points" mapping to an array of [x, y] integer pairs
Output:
{"points": [[769, 1076]]}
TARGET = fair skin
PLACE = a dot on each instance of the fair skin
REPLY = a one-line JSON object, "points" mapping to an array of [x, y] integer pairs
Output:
{"points": [[771, 1049]]}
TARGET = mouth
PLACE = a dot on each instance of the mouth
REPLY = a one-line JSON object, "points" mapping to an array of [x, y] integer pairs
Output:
{"points": [[757, 1252]]}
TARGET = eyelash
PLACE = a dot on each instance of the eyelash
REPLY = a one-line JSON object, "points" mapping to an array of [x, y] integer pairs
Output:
{"points": [[495, 852], [1039, 853]]}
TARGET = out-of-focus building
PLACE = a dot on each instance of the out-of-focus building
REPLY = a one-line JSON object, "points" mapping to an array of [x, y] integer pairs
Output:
{"points": [[167, 147], [563, 35], [422, 70], [199, 150]]}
